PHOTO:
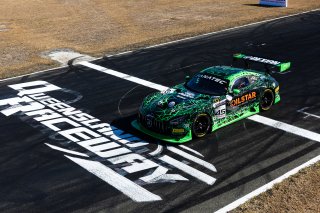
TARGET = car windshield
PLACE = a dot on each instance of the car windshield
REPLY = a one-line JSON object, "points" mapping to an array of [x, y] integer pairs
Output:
{"points": [[208, 84]]}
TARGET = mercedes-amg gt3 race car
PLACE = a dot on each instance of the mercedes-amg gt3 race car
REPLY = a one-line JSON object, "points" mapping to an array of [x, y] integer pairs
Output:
{"points": [[213, 98]]}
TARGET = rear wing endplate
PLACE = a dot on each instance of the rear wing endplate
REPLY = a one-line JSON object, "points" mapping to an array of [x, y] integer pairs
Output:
{"points": [[270, 65]]}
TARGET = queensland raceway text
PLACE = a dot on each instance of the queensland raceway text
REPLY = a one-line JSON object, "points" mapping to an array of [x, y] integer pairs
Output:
{"points": [[96, 143]]}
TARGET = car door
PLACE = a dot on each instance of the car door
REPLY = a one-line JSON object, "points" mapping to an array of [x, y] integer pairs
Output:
{"points": [[242, 92]]}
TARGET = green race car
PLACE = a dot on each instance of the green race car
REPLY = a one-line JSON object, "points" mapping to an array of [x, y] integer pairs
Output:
{"points": [[213, 98]]}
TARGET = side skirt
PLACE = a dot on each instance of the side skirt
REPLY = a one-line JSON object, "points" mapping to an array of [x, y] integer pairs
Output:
{"points": [[246, 114]]}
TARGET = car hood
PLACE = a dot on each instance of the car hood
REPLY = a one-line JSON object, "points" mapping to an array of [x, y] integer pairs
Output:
{"points": [[175, 102]]}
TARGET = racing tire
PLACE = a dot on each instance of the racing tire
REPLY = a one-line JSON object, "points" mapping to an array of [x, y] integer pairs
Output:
{"points": [[201, 125], [266, 100]]}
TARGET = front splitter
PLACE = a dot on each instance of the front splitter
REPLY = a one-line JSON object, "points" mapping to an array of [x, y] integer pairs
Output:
{"points": [[170, 139]]}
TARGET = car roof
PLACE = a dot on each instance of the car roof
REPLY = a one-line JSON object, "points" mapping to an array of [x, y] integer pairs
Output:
{"points": [[229, 73]]}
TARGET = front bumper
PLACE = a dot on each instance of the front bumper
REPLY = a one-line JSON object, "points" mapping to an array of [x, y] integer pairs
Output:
{"points": [[169, 138]]}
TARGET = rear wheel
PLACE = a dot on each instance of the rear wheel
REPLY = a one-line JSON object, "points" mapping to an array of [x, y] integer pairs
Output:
{"points": [[201, 125], [266, 99]]}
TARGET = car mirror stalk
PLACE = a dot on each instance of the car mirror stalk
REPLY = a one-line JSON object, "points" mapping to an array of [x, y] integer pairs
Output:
{"points": [[236, 91], [229, 97]]}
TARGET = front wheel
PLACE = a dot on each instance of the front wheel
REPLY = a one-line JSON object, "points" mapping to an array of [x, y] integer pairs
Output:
{"points": [[266, 99], [201, 125]]}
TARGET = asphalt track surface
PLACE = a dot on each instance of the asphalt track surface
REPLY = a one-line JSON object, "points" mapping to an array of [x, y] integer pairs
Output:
{"points": [[246, 155]]}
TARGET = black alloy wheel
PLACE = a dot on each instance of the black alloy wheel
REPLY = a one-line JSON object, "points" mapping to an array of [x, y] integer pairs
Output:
{"points": [[201, 125], [266, 99]]}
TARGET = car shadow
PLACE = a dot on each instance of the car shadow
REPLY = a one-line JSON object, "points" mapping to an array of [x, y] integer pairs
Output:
{"points": [[124, 123]]}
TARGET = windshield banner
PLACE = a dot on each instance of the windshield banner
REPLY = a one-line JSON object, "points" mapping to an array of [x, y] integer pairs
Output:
{"points": [[278, 3]]}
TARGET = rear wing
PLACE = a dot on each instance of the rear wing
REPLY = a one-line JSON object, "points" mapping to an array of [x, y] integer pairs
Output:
{"points": [[270, 65]]}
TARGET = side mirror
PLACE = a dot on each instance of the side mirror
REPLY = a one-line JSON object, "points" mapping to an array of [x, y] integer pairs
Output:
{"points": [[236, 91], [229, 98], [187, 78]]}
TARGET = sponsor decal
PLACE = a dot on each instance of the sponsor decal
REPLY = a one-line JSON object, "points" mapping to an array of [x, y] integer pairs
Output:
{"points": [[186, 95], [219, 103], [262, 60], [168, 91], [149, 119], [244, 99], [220, 112], [212, 78], [105, 151], [177, 130]]}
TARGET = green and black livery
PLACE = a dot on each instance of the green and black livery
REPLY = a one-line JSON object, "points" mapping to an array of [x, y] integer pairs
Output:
{"points": [[213, 98]]}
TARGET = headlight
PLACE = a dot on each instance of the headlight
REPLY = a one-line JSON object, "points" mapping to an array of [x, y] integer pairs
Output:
{"points": [[178, 120]]}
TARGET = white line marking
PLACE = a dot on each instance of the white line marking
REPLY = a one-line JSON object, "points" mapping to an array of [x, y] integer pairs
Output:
{"points": [[176, 41], [157, 151], [32, 73], [127, 187], [123, 76], [192, 158], [191, 150], [189, 170], [286, 127], [307, 113], [267, 186], [66, 150], [161, 174]]}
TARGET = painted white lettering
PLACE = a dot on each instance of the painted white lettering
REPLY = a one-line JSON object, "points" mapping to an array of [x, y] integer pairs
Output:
{"points": [[17, 107], [49, 101], [192, 158], [138, 162], [46, 114], [38, 96], [59, 105], [69, 111], [102, 127], [81, 132], [50, 123], [114, 152], [81, 117], [98, 144], [188, 169], [160, 175], [41, 86], [90, 123], [127, 187], [118, 134], [133, 142]]}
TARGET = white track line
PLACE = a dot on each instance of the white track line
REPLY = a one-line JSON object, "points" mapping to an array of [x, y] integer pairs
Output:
{"points": [[267, 186], [192, 158], [66, 150], [123, 76], [176, 41], [189, 170], [307, 113], [191, 150], [286, 127]]}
